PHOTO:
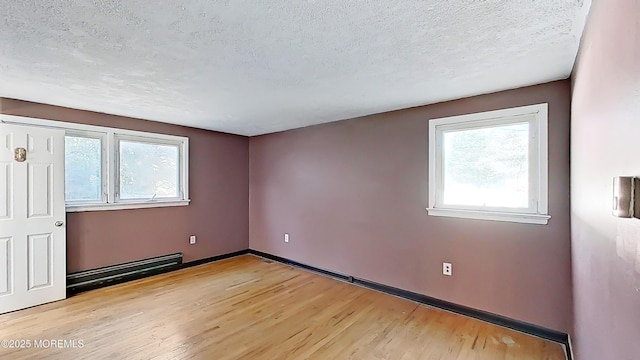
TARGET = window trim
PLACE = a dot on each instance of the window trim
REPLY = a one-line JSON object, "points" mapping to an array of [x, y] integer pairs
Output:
{"points": [[102, 136], [537, 211], [110, 162], [118, 137]]}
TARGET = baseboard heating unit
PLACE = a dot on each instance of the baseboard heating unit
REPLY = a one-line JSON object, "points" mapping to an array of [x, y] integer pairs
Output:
{"points": [[97, 278]]}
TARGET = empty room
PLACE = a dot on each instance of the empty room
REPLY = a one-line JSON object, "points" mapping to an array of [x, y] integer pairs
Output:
{"points": [[320, 179]]}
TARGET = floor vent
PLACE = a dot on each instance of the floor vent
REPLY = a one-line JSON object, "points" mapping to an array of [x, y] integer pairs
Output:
{"points": [[92, 279]]}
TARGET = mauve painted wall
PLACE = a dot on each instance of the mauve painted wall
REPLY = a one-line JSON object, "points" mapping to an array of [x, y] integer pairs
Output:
{"points": [[353, 194], [605, 143], [218, 187]]}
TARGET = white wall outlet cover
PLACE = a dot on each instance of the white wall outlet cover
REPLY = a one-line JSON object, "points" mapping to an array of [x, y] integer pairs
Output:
{"points": [[447, 269], [192, 239], [286, 238]]}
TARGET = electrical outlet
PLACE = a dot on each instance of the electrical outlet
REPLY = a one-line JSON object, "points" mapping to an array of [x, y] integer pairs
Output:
{"points": [[447, 269], [192, 239], [286, 238]]}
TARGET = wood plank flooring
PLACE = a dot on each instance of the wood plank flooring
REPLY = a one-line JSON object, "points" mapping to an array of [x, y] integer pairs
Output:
{"points": [[248, 308]]}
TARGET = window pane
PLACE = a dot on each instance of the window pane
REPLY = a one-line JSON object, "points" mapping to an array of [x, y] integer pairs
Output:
{"points": [[149, 170], [487, 166], [83, 168]]}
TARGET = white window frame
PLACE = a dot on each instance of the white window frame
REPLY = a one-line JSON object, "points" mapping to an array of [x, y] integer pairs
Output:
{"points": [[537, 210], [102, 136], [182, 174], [110, 169]]}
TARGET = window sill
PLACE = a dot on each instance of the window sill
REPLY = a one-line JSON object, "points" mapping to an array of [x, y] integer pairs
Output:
{"points": [[492, 216], [127, 205]]}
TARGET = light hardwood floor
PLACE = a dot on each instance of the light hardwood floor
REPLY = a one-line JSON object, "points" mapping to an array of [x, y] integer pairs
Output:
{"points": [[250, 308]]}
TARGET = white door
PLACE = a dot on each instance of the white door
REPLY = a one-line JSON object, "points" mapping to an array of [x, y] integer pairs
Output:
{"points": [[32, 215]]}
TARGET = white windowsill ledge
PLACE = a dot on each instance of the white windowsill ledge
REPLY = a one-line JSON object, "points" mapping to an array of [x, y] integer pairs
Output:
{"points": [[127, 205], [493, 216]]}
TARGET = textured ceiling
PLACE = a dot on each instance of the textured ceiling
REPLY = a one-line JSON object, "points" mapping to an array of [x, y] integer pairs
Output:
{"points": [[254, 67]]}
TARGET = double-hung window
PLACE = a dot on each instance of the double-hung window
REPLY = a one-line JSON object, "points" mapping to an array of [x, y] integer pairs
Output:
{"points": [[110, 169], [490, 165]]}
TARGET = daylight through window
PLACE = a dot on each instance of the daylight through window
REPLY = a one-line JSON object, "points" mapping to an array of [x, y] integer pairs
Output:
{"points": [[84, 180], [490, 166], [148, 170], [111, 169]]}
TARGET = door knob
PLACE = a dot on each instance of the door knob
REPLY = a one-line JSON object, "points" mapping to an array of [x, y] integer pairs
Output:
{"points": [[59, 223]]}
